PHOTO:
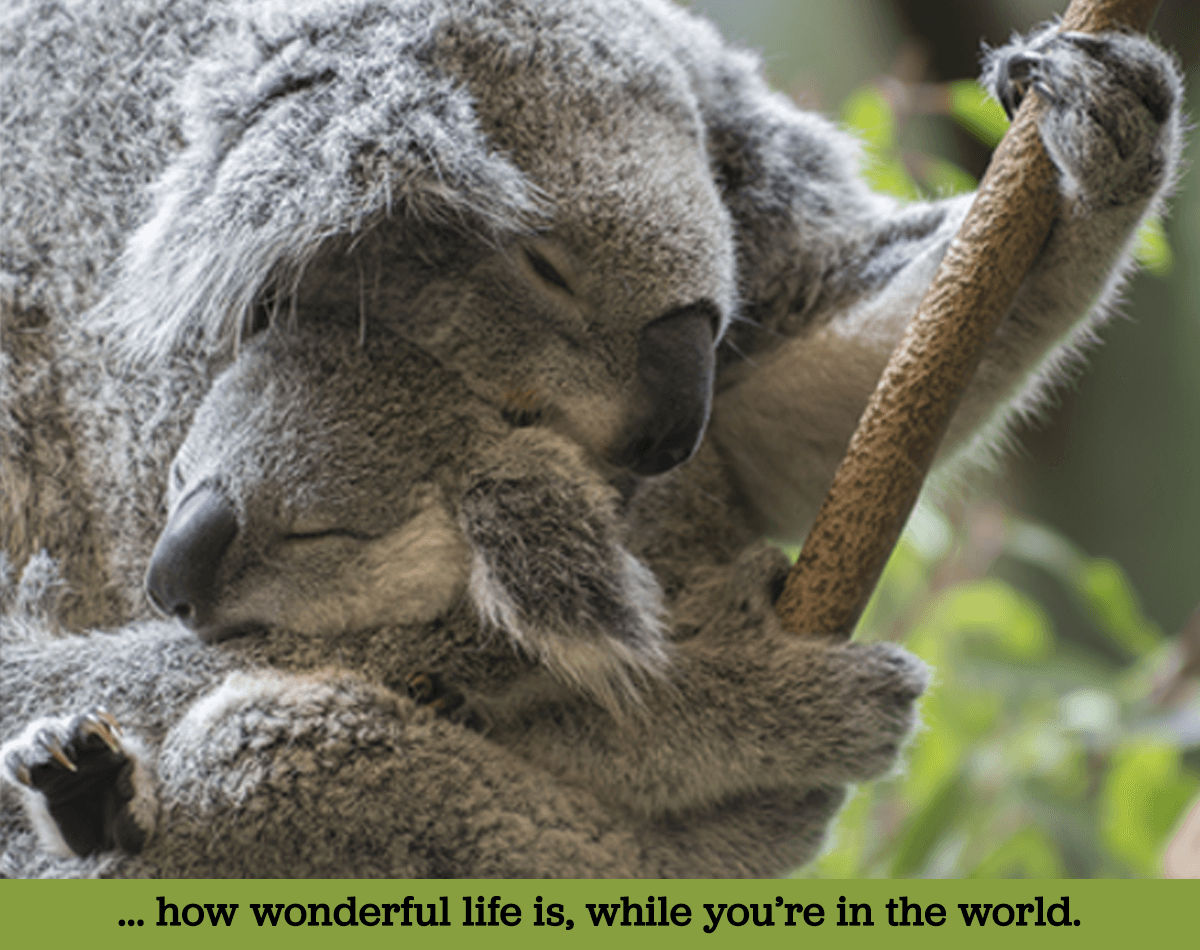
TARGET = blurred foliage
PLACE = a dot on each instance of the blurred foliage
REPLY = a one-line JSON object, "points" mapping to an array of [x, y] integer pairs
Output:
{"points": [[977, 112], [1038, 757], [876, 113]]}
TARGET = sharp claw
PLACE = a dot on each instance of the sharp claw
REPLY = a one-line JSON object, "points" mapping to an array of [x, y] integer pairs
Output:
{"points": [[1046, 92], [1084, 41], [93, 725], [109, 720], [421, 688], [57, 752]]}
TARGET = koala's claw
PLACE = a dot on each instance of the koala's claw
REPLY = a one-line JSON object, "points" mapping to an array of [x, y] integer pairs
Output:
{"points": [[1110, 99], [1012, 89], [56, 751], [86, 776], [1024, 71], [101, 723], [428, 689], [20, 773]]}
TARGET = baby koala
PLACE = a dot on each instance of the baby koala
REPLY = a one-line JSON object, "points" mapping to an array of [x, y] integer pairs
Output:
{"points": [[330, 485], [358, 547]]}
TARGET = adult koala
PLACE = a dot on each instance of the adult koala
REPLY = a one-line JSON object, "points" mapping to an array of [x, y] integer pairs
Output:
{"points": [[554, 200]]}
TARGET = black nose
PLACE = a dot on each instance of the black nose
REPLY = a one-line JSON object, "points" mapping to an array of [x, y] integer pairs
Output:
{"points": [[183, 569], [675, 370]]}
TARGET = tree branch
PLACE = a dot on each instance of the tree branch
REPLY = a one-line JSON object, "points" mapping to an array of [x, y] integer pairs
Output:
{"points": [[897, 438]]}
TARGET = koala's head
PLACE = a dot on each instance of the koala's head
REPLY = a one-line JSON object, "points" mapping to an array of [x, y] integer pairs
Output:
{"points": [[521, 189], [333, 484]]}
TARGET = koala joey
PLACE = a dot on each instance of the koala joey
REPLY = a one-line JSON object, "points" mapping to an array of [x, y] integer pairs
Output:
{"points": [[328, 486], [343, 515]]}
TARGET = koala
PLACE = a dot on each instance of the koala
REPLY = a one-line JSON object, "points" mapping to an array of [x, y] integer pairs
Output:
{"points": [[420, 566], [618, 242], [635, 246]]}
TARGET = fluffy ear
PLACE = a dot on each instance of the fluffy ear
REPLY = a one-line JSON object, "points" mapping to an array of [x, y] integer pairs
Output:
{"points": [[549, 570], [308, 122]]}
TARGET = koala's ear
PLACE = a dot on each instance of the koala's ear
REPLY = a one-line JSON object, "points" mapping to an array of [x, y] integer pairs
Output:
{"points": [[302, 128], [548, 569]]}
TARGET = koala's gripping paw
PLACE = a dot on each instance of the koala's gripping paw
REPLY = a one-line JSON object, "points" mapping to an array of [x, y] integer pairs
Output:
{"points": [[85, 788], [1113, 101]]}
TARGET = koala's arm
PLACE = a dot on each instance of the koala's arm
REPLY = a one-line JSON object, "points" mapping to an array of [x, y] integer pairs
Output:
{"points": [[746, 708], [326, 775], [279, 775], [221, 770], [833, 272]]}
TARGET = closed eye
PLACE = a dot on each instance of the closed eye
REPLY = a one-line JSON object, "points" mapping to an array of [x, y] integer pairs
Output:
{"points": [[330, 533], [545, 270]]}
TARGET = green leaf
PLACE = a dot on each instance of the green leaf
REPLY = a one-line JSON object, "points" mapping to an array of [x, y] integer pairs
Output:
{"points": [[1143, 794], [902, 584], [994, 619], [1101, 584], [924, 830], [944, 178], [977, 112], [868, 113], [1107, 591], [1153, 251], [891, 177], [1028, 853]]}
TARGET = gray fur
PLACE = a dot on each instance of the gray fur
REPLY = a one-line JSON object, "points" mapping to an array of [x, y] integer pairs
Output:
{"points": [[691, 759], [515, 192]]}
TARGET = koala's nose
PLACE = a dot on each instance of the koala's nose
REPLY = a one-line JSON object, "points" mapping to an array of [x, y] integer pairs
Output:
{"points": [[675, 370], [183, 569]]}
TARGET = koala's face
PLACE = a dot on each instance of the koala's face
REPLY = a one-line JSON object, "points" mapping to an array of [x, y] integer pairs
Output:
{"points": [[312, 490], [555, 330], [332, 483], [517, 188], [604, 324]]}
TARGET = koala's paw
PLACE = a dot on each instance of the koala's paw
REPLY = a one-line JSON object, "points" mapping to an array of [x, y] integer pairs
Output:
{"points": [[1111, 121], [86, 788], [550, 570]]}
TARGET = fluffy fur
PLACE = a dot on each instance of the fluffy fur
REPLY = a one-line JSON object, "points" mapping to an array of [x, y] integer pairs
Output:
{"points": [[534, 203]]}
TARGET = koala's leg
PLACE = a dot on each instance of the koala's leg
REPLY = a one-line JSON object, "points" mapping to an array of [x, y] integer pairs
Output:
{"points": [[86, 786], [748, 708], [1112, 125]]}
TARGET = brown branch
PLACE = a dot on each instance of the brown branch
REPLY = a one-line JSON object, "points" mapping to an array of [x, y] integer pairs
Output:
{"points": [[897, 438]]}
